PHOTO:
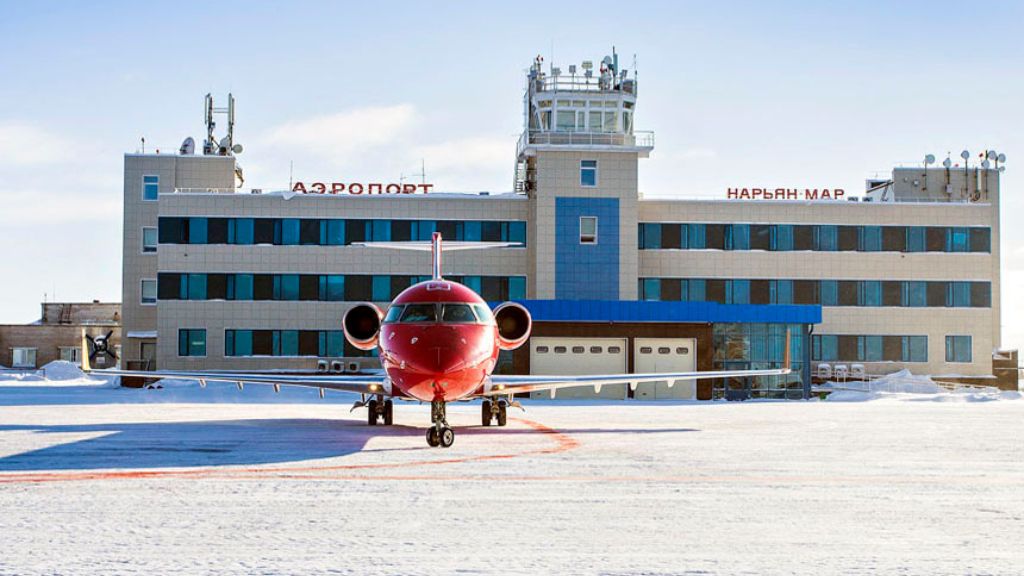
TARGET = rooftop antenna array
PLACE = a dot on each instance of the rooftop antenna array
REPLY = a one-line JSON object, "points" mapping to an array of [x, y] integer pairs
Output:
{"points": [[226, 146]]}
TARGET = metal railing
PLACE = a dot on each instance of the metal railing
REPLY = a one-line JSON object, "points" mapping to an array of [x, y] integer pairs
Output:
{"points": [[205, 190], [638, 139], [583, 83]]}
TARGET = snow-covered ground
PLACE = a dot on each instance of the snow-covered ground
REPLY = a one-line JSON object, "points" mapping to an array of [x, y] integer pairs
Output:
{"points": [[96, 479]]}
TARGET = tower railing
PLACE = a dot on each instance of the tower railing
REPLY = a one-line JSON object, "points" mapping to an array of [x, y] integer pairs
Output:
{"points": [[637, 139]]}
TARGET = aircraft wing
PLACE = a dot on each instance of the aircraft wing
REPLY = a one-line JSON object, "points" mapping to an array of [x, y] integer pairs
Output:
{"points": [[503, 385]]}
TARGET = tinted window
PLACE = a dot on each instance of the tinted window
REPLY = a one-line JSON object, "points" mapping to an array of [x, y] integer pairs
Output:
{"points": [[981, 240], [217, 231], [394, 313], [457, 313], [264, 231], [419, 313], [483, 313]]}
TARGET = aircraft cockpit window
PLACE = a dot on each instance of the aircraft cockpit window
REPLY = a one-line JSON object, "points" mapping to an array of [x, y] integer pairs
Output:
{"points": [[394, 313], [419, 313], [483, 312], [457, 314]]}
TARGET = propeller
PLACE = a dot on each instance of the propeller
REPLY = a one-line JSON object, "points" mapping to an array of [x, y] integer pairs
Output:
{"points": [[101, 345]]}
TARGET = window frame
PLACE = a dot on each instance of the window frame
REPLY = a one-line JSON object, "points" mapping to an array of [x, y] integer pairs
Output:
{"points": [[156, 238], [27, 349], [156, 291], [145, 184], [595, 168], [594, 240]]}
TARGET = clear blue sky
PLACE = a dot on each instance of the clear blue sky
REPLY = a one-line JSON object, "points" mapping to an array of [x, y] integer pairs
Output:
{"points": [[794, 94]]}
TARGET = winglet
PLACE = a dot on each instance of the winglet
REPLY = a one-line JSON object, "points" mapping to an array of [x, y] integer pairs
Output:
{"points": [[86, 367], [786, 355]]}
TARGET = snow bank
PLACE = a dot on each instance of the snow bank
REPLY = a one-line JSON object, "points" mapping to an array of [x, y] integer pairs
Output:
{"points": [[62, 370], [58, 373], [905, 385]]}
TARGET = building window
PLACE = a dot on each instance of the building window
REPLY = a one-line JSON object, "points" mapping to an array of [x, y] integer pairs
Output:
{"points": [[149, 239], [150, 187], [192, 342], [23, 358], [588, 173], [72, 354], [148, 291], [588, 229], [958, 349]]}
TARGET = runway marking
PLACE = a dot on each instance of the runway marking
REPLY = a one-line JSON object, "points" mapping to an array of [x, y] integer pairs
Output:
{"points": [[562, 442]]}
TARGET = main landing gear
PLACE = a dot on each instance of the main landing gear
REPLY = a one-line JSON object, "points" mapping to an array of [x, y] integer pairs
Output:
{"points": [[439, 433], [380, 410], [494, 410]]}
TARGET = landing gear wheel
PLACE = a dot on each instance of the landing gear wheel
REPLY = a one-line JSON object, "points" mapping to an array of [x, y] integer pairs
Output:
{"points": [[502, 413], [485, 413], [447, 437], [371, 413], [389, 412], [432, 438]]}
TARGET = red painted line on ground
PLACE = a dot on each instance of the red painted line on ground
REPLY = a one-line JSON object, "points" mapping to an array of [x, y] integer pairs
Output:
{"points": [[562, 442]]}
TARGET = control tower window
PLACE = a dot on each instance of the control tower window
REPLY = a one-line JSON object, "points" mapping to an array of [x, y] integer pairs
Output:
{"points": [[588, 172]]}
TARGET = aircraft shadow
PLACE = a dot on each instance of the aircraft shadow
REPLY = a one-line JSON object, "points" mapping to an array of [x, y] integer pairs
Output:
{"points": [[229, 442]]}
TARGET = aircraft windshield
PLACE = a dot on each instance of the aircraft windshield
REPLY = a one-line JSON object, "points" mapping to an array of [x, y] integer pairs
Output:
{"points": [[483, 312], [394, 313], [457, 314], [420, 313]]}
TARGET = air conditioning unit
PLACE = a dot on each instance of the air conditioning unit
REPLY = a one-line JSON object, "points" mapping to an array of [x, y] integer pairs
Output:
{"points": [[322, 366], [337, 366], [353, 367]]}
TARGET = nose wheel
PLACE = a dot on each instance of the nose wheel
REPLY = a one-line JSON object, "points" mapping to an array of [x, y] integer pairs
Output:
{"points": [[439, 433]]}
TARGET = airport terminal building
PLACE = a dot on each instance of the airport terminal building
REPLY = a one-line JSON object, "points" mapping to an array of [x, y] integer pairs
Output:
{"points": [[905, 275]]}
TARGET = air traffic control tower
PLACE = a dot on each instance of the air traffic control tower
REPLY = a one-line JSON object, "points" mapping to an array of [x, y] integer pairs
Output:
{"points": [[577, 163]]}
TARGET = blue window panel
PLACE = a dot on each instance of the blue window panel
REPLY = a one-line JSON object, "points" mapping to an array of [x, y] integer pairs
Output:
{"points": [[289, 231], [381, 231], [196, 286], [738, 237], [517, 288], [959, 294], [782, 237], [738, 292], [473, 233], [958, 349], [828, 237], [586, 271], [332, 288], [871, 238], [781, 291], [191, 342], [650, 236], [243, 287], [423, 230], [958, 239], [335, 340], [588, 173], [650, 289], [474, 283], [516, 231], [696, 236], [286, 287], [829, 293], [915, 294], [872, 348], [197, 230], [916, 239], [829, 347], [289, 343], [335, 233], [917, 348], [150, 187], [381, 288], [238, 342], [241, 231], [870, 293], [696, 290]]}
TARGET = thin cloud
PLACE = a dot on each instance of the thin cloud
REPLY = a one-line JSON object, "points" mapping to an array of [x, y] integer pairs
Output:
{"points": [[27, 145], [338, 136]]}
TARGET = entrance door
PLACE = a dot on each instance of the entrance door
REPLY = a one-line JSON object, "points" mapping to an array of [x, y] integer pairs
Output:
{"points": [[565, 356], [665, 355], [147, 353]]}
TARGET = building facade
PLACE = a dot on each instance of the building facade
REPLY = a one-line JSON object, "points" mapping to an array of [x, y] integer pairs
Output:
{"points": [[906, 277], [57, 335]]}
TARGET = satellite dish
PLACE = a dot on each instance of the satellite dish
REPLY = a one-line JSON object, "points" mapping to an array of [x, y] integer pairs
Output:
{"points": [[1002, 168], [237, 148], [929, 159], [188, 147], [985, 164], [1001, 158], [947, 163], [991, 154], [965, 154]]}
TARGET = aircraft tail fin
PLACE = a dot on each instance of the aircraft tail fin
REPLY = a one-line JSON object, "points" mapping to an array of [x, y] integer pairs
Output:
{"points": [[435, 246]]}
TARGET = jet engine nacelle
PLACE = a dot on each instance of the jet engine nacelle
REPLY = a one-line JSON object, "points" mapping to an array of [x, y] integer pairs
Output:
{"points": [[514, 324], [362, 325]]}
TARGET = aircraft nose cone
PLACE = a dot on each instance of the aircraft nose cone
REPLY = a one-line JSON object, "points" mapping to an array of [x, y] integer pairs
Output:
{"points": [[448, 360]]}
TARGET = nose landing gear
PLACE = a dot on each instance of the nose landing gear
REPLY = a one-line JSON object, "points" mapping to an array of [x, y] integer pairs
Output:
{"points": [[439, 433]]}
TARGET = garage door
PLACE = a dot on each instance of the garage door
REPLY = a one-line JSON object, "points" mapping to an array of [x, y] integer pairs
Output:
{"points": [[564, 356], [665, 355]]}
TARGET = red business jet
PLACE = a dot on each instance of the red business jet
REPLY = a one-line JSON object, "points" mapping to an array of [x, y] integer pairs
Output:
{"points": [[438, 342]]}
